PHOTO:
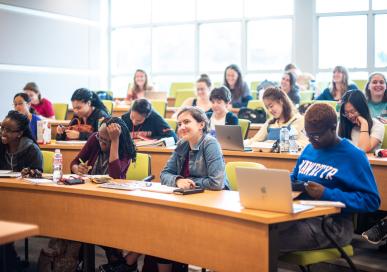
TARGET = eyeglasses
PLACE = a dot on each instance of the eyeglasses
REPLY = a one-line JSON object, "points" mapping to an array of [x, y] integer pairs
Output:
{"points": [[314, 136], [8, 130], [107, 142]]}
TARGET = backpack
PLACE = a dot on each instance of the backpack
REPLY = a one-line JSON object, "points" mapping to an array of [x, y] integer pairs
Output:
{"points": [[60, 256], [257, 116], [104, 95]]}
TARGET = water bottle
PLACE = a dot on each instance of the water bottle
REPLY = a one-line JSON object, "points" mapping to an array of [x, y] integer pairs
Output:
{"points": [[57, 165], [293, 146], [313, 85], [284, 139]]}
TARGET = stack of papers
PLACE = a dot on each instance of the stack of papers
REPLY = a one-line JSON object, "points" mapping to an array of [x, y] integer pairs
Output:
{"points": [[144, 186], [9, 174], [166, 142], [39, 181], [323, 203]]}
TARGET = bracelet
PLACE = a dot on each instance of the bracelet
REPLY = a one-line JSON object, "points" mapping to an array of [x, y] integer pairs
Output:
{"points": [[364, 131]]}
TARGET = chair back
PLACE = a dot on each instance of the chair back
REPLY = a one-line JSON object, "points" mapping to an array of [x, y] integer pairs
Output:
{"points": [[176, 86], [109, 105], [160, 106], [182, 95], [172, 123], [60, 110], [231, 174], [245, 126], [48, 159], [141, 168]]}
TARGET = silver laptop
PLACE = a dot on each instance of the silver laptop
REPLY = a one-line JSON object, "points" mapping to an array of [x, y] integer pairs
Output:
{"points": [[154, 95], [230, 137], [267, 189]]}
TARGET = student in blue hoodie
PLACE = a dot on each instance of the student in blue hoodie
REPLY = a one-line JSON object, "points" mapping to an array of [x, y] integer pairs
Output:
{"points": [[145, 124], [335, 170]]}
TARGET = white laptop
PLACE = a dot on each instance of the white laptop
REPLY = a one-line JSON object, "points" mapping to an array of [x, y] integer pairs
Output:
{"points": [[230, 137], [267, 189]]}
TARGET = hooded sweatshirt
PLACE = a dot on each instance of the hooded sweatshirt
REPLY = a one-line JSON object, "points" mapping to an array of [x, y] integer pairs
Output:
{"points": [[28, 154]]}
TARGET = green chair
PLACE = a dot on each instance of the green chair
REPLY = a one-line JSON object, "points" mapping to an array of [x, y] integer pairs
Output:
{"points": [[109, 105], [172, 123], [254, 85], [306, 95], [217, 84], [254, 94], [141, 168], [60, 110], [361, 83], [230, 171], [334, 104], [176, 86], [254, 104], [160, 106], [321, 85], [384, 144], [48, 158], [182, 95], [245, 126]]}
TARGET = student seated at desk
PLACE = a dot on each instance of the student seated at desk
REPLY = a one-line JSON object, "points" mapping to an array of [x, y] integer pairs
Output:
{"points": [[356, 123], [144, 123], [22, 103], [196, 161], [284, 114], [41, 105], [220, 99], [18, 148], [376, 92], [139, 87], [202, 101], [240, 92], [339, 85], [88, 111], [330, 176], [289, 86]]}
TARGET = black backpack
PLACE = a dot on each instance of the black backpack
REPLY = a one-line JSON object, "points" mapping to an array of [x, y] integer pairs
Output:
{"points": [[257, 116]]}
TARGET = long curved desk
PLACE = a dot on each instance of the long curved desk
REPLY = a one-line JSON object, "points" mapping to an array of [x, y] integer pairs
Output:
{"points": [[210, 230], [160, 156]]}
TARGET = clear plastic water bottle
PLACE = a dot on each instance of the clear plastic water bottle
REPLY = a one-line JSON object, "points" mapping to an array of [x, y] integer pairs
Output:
{"points": [[284, 139], [57, 166], [293, 146]]}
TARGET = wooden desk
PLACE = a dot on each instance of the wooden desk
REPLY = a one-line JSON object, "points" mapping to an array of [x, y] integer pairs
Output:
{"points": [[271, 160], [12, 231], [209, 230]]}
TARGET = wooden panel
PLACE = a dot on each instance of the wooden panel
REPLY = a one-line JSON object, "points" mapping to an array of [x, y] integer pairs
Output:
{"points": [[11, 231]]}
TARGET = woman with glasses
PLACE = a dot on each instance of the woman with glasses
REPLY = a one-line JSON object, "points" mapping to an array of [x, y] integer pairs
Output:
{"points": [[284, 113], [332, 169], [339, 85], [356, 123], [376, 92], [22, 104], [107, 152], [88, 111]]}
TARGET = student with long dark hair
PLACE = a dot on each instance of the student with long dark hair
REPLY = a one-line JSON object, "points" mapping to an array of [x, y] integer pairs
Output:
{"points": [[22, 103], [339, 85], [18, 148], [356, 123], [284, 113], [333, 170], [88, 111], [41, 105], [240, 92], [376, 92], [289, 86]]}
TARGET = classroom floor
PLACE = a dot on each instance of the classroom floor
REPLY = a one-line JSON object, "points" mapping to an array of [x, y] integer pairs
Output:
{"points": [[367, 258]]}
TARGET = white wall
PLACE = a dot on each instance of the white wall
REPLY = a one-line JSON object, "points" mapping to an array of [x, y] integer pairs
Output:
{"points": [[55, 43]]}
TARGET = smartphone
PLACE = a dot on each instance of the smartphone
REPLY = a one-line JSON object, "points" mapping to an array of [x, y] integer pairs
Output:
{"points": [[298, 186], [190, 191]]}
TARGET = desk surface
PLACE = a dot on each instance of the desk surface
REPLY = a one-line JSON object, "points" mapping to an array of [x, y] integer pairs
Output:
{"points": [[204, 229], [11, 231]]}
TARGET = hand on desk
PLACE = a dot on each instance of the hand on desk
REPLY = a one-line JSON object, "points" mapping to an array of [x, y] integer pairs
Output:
{"points": [[314, 189], [185, 183]]}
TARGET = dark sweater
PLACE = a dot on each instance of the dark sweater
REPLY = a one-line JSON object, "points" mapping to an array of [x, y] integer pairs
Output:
{"points": [[154, 127], [231, 118], [116, 169], [327, 95], [243, 99], [28, 154], [92, 120]]}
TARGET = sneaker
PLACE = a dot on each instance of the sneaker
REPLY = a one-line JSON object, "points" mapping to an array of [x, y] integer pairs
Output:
{"points": [[377, 233]]}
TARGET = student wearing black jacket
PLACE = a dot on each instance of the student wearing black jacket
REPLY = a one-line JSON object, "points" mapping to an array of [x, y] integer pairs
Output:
{"points": [[89, 111], [144, 123], [18, 148]]}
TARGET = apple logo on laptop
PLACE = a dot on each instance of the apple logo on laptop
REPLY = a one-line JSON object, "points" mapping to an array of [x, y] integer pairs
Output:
{"points": [[263, 190]]}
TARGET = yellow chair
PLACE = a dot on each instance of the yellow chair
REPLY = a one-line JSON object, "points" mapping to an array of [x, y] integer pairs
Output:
{"points": [[306, 95], [322, 85], [254, 94], [60, 110], [384, 144], [160, 106], [182, 95], [254, 104], [141, 168], [109, 105], [230, 171], [334, 104], [254, 85], [172, 123], [176, 86], [245, 126], [48, 158], [361, 83]]}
